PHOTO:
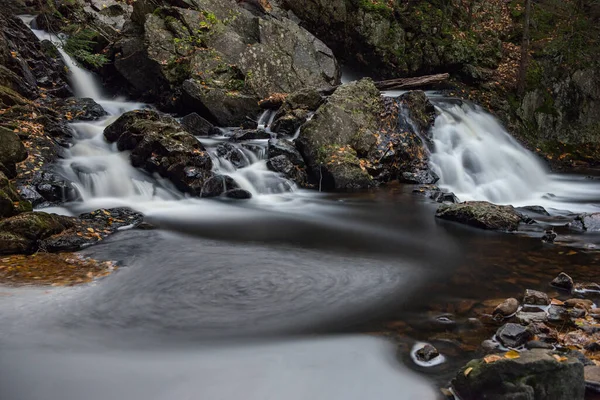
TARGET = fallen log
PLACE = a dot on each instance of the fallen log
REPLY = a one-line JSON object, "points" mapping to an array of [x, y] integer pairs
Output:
{"points": [[411, 83], [416, 82]]}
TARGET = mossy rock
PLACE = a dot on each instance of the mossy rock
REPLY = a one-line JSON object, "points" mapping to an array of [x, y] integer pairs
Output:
{"points": [[10, 202], [12, 150], [482, 214]]}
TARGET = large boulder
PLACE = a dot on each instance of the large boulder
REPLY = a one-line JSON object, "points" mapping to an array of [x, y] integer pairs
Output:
{"points": [[482, 214], [221, 57], [158, 143], [536, 374], [357, 139]]}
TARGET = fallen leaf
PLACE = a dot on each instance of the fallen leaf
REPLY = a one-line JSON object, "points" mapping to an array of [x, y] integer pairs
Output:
{"points": [[559, 358], [491, 359], [513, 354], [557, 302], [468, 371], [90, 230]]}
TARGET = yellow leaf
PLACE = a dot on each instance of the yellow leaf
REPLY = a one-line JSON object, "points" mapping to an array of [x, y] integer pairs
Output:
{"points": [[491, 359], [559, 358], [571, 253], [90, 230], [557, 302], [468, 371], [512, 354]]}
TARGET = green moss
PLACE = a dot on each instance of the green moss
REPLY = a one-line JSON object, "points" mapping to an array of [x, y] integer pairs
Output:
{"points": [[80, 46], [380, 7]]}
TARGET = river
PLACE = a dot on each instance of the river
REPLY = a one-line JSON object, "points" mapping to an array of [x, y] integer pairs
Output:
{"points": [[293, 294]]}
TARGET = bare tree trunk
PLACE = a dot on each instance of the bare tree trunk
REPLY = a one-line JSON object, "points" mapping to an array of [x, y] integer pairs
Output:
{"points": [[524, 49]]}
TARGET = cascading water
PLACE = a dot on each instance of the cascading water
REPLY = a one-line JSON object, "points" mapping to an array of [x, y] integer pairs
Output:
{"points": [[477, 159], [104, 176]]}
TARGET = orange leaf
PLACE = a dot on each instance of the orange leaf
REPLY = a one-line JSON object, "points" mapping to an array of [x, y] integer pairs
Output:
{"points": [[492, 358], [513, 354]]}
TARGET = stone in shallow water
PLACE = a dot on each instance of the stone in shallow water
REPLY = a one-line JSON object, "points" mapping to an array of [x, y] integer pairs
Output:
{"points": [[563, 281], [507, 307], [587, 222], [427, 353], [482, 214], [536, 374], [535, 297], [513, 335], [592, 378], [528, 317]]}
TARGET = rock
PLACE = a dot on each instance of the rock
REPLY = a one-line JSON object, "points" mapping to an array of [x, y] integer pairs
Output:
{"points": [[239, 194], [160, 144], [436, 194], [549, 236], [12, 151], [529, 317], [587, 222], [281, 164], [233, 154], [22, 233], [77, 109], [252, 134], [539, 210], [344, 126], [557, 314], [222, 69], [288, 122], [507, 308], [579, 303], [295, 110], [592, 378], [535, 297], [10, 202], [536, 344], [595, 313], [489, 346], [536, 374], [420, 110], [427, 353], [425, 177], [283, 147], [196, 125], [482, 214], [513, 335], [217, 185], [563, 281]]}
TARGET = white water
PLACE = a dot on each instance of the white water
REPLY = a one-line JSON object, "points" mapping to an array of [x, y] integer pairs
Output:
{"points": [[477, 159]]}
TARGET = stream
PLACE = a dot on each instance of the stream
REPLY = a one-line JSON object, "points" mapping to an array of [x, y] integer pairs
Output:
{"points": [[293, 294]]}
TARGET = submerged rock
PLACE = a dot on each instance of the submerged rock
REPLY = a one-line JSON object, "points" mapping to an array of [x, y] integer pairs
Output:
{"points": [[535, 374], [482, 214], [507, 308]]}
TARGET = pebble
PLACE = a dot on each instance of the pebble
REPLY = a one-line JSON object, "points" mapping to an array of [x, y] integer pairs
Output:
{"points": [[592, 378], [529, 317], [579, 303], [537, 344], [490, 346]]}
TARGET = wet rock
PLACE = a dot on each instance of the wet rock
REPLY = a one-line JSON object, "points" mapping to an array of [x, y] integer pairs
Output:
{"points": [[490, 346], [159, 144], [549, 236], [584, 304], [529, 317], [563, 281], [535, 297], [281, 164], [283, 147], [22, 233], [513, 335], [12, 151], [507, 308], [544, 332], [539, 210], [436, 194], [76, 109], [589, 288], [239, 194], [196, 125], [427, 353], [537, 344], [425, 177], [420, 110], [536, 374], [288, 122], [10, 202], [592, 378], [482, 214], [252, 134], [217, 185], [576, 313], [232, 154], [295, 110], [587, 222], [595, 313], [557, 314], [593, 347]]}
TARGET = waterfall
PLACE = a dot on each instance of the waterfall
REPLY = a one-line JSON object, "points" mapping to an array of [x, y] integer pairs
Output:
{"points": [[477, 159]]}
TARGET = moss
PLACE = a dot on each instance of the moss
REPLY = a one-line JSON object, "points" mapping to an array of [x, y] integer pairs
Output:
{"points": [[380, 7], [81, 45]]}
